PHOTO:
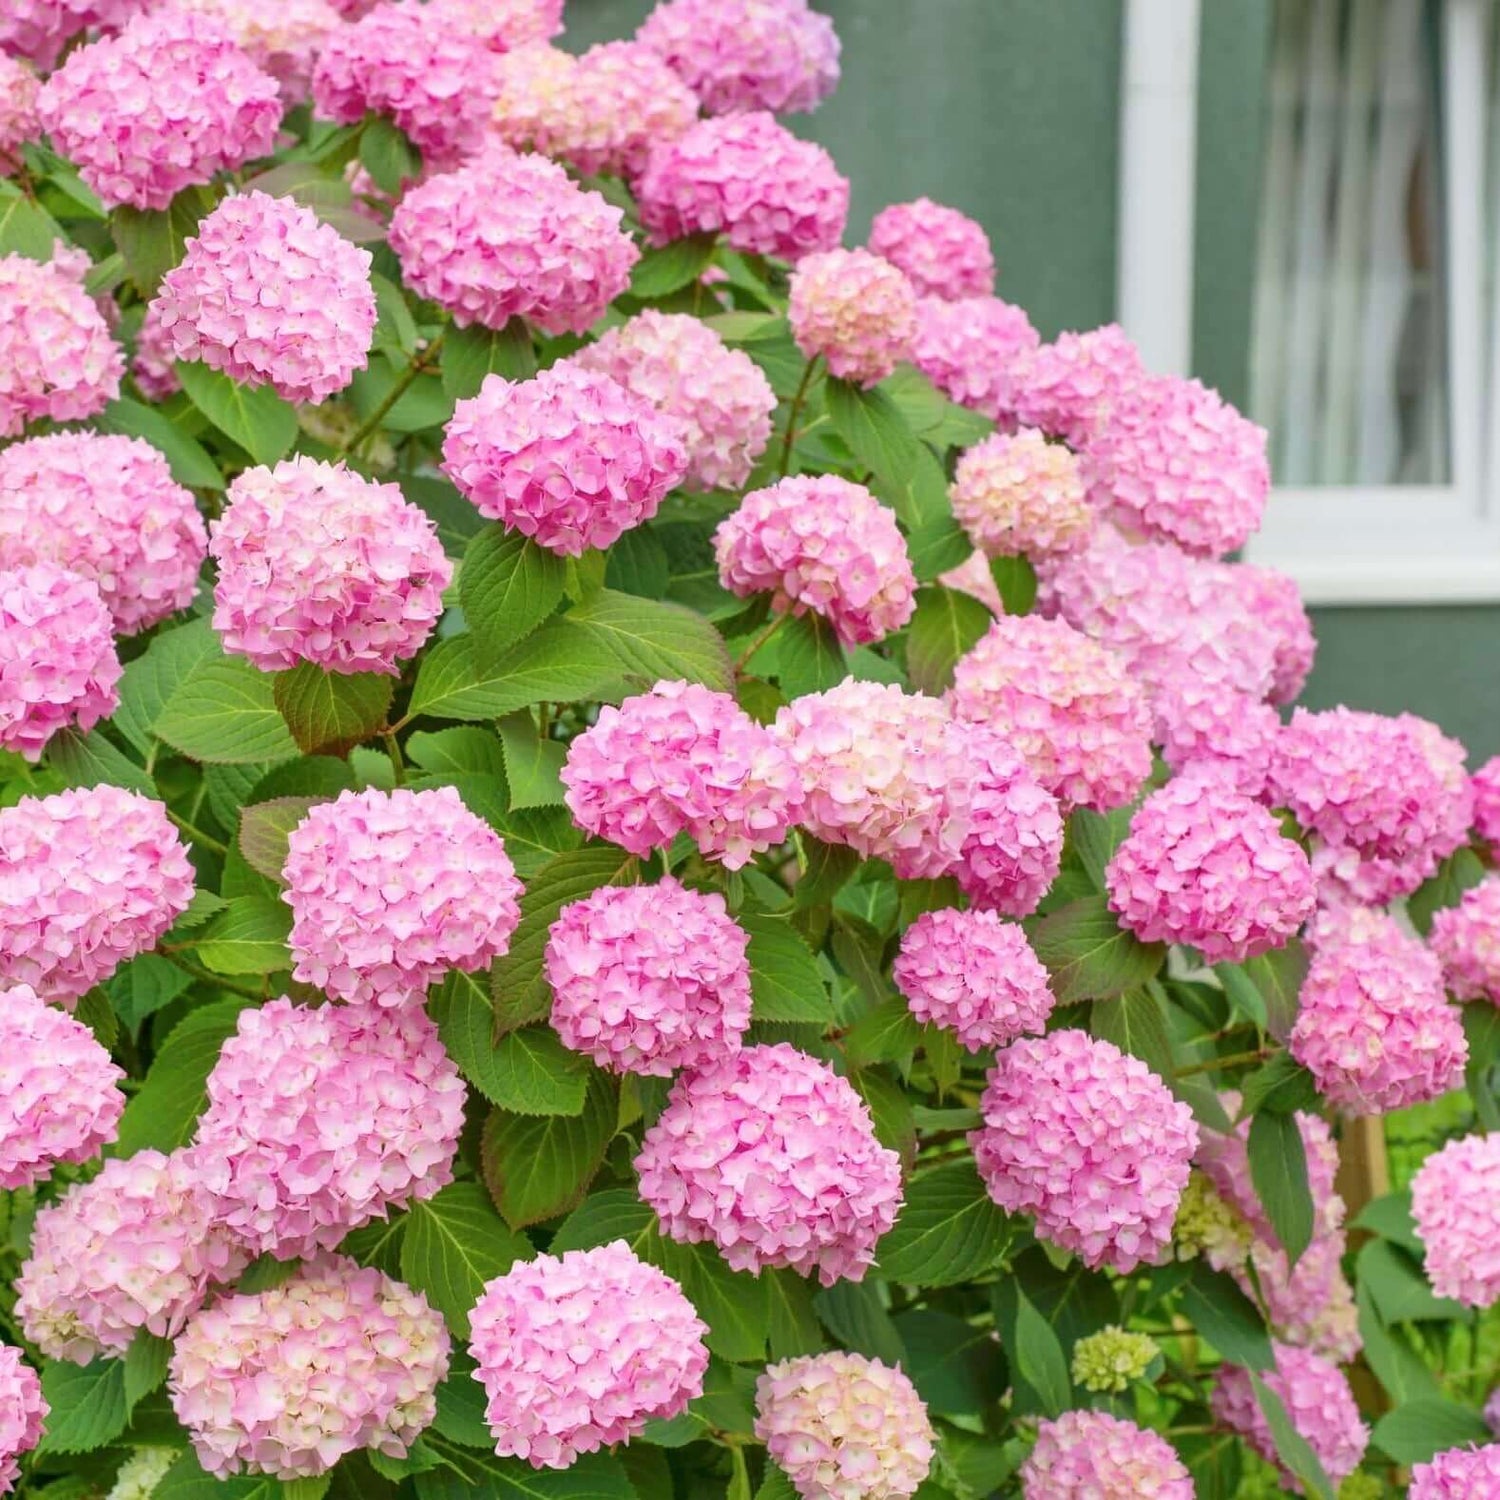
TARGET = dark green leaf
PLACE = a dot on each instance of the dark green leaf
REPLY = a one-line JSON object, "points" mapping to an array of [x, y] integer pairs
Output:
{"points": [[1389, 1353], [1037, 1359], [936, 547], [660, 272], [1214, 1304], [823, 870], [455, 1242], [91, 760], [1088, 954], [256, 418], [887, 1033], [532, 1073], [395, 328], [1292, 1448], [945, 625], [957, 1368], [638, 564], [508, 586], [949, 1230], [1016, 580], [809, 656], [464, 1474], [461, 751], [164, 1113], [1134, 1023], [652, 640], [1461, 871], [905, 474], [1278, 1168], [87, 1405], [1093, 838], [794, 1327], [1482, 1031], [1278, 976], [473, 353], [388, 156], [1390, 1218], [1402, 1293], [614, 1214], [154, 240], [145, 1365], [1415, 1432], [784, 977], [225, 712], [143, 986], [854, 1314], [331, 712], [1280, 1087], [186, 456], [734, 1304]]}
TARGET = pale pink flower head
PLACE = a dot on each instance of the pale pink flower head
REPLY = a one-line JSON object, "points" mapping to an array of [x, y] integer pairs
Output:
{"points": [[1090, 1142], [1091, 1455], [1216, 733], [1466, 939], [1017, 494], [88, 879], [975, 975], [38, 30], [318, 564], [820, 544], [973, 577], [1069, 388], [1485, 786], [390, 890], [286, 1381], [738, 55], [569, 458], [719, 397], [151, 366], [58, 359], [649, 978], [1318, 1401], [18, 117], [972, 349], [1065, 703], [539, 105], [750, 179], [107, 508], [58, 667], [271, 295], [284, 38], [840, 1424], [579, 1351], [138, 142], [1458, 1474], [1275, 601], [1455, 1200], [59, 1092], [1310, 1304], [943, 252], [855, 310], [23, 1411], [513, 236], [501, 25], [772, 1157], [138, 1246], [683, 759], [320, 1120]]}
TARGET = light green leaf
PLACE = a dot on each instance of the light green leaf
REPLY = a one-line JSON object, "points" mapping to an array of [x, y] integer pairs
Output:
{"points": [[255, 417], [1402, 1293], [906, 475], [90, 759], [225, 712], [784, 979], [467, 1475], [651, 639], [150, 680], [533, 765], [87, 1405], [1278, 977], [1419, 1430], [1292, 1448], [949, 1230], [265, 828], [388, 155], [164, 1113], [508, 586], [559, 662], [455, 1242], [331, 712], [145, 1365], [532, 1073], [457, 752], [945, 625], [247, 937], [1015, 579], [26, 228], [614, 1214]]}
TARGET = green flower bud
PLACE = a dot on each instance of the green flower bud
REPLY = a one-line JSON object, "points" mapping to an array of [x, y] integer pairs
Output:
{"points": [[1109, 1360]]}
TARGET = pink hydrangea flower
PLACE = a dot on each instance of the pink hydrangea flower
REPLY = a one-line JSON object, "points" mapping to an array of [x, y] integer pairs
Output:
{"points": [[1458, 1474], [539, 105], [1485, 787], [569, 458], [390, 890], [38, 30], [649, 978], [772, 1157], [18, 117], [1070, 387], [737, 55], [1216, 734], [1065, 703], [286, 1381], [151, 366], [137, 143], [23, 1412], [1275, 601], [502, 25], [58, 359], [943, 252], [820, 544], [683, 759], [58, 667], [750, 179], [318, 564], [1455, 1200], [1466, 939], [108, 509], [1090, 1455], [1318, 1401], [513, 236], [88, 879], [59, 1092], [972, 348], [1090, 1142], [581, 1350], [855, 310], [975, 975], [284, 39], [718, 395], [974, 578], [1019, 494], [319, 1121], [271, 295], [840, 1424], [138, 1246]]}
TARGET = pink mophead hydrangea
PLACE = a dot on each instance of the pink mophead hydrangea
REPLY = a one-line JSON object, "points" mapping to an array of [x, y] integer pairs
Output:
{"points": [[840, 1424], [581, 1350], [139, 1246], [569, 458], [1455, 1201], [271, 295], [1090, 1142], [772, 1157], [972, 348], [539, 104], [855, 310], [1019, 494], [1091, 1455], [649, 978], [1458, 1474], [683, 759], [319, 564], [943, 252], [88, 879], [284, 39], [23, 1414], [390, 890], [139, 143], [286, 1381], [737, 55], [1466, 939], [108, 508], [719, 397], [38, 30], [749, 179], [1070, 387], [1275, 601], [18, 117], [1485, 786], [60, 1099], [320, 1120], [820, 544]]}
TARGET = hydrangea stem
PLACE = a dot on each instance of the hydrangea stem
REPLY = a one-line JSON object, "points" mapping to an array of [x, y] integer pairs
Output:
{"points": [[420, 361], [795, 414]]}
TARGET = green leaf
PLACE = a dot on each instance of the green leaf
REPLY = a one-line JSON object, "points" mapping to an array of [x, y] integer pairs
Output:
{"points": [[945, 625], [154, 240], [886, 1033], [464, 1474], [809, 656], [1278, 1168], [472, 354], [949, 1230], [224, 712], [265, 828], [1015, 578], [936, 546], [508, 585], [794, 1327], [1093, 838], [26, 228], [455, 1242], [142, 987], [1461, 871], [905, 474], [1389, 1353], [255, 417], [150, 680], [1135, 1024], [395, 328], [824, 870], [660, 272], [784, 979], [461, 751], [638, 564], [560, 662], [532, 1073], [533, 765], [186, 456], [164, 1112], [460, 1405], [1292, 1448], [1281, 1087], [388, 155], [854, 1314], [957, 1367], [145, 1365], [186, 1480], [614, 1214], [1037, 1358], [1088, 955], [1390, 1218], [1419, 1430], [1214, 1304], [1402, 1293], [652, 640], [87, 1405], [1482, 1032], [90, 759], [775, 1486], [1278, 976], [248, 937], [734, 1304], [331, 712]]}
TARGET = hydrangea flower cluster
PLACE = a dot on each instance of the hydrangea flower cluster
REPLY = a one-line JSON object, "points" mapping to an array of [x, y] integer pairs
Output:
{"points": [[38, 30], [972, 349], [1458, 1474], [582, 1350], [284, 39], [88, 879], [943, 252], [569, 458], [318, 564], [1485, 787], [1091, 1455], [1274, 600], [683, 759], [841, 1424], [821, 544], [539, 105], [1070, 387], [320, 1120], [1455, 1198], [1018, 493], [18, 117], [1466, 939], [854, 310], [286, 1381], [771, 1156], [1090, 1142], [23, 1411], [1110, 1360]]}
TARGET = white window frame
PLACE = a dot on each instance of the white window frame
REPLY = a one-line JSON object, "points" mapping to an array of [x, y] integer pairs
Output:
{"points": [[1343, 545]]}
